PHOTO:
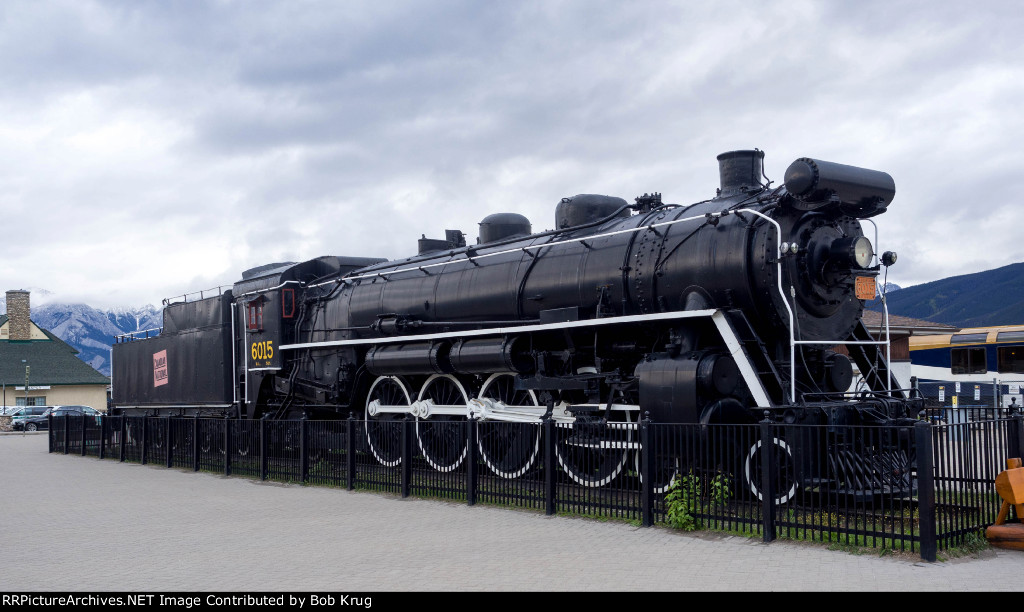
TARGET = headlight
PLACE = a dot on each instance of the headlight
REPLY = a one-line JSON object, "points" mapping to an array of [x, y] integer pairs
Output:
{"points": [[863, 253], [856, 252]]}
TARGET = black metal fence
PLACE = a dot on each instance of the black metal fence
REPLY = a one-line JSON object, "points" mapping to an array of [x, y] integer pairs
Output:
{"points": [[923, 488]]}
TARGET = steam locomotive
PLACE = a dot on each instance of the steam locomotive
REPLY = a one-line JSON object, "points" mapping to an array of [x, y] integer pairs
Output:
{"points": [[729, 310]]}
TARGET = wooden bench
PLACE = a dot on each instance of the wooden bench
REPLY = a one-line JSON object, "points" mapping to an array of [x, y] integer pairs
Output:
{"points": [[1010, 487]]}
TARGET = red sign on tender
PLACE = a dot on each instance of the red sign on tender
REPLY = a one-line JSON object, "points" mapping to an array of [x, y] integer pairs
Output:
{"points": [[160, 368]]}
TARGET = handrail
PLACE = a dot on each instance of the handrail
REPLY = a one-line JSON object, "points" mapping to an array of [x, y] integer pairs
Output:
{"points": [[130, 336], [885, 315], [202, 294]]}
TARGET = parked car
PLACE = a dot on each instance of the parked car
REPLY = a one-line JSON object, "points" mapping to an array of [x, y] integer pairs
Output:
{"points": [[42, 421], [75, 411], [22, 413], [31, 422]]}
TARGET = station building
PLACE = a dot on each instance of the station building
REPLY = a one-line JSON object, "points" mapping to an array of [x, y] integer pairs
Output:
{"points": [[39, 369]]}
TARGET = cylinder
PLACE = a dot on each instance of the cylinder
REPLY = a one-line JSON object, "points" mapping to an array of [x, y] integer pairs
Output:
{"points": [[484, 355], [414, 358], [718, 374]]}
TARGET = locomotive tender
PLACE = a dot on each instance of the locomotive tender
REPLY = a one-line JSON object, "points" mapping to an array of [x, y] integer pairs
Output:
{"points": [[723, 311]]}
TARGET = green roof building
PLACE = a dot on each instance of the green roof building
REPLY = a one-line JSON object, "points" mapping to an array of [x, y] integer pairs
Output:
{"points": [[49, 366]]}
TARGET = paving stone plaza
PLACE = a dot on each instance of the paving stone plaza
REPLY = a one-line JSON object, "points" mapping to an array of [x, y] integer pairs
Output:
{"points": [[81, 524]]}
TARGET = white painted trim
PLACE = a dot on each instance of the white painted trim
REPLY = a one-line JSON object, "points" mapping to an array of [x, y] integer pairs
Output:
{"points": [[234, 349], [496, 331], [245, 350], [746, 369]]}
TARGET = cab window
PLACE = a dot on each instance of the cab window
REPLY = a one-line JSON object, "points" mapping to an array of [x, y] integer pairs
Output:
{"points": [[287, 303], [254, 314]]}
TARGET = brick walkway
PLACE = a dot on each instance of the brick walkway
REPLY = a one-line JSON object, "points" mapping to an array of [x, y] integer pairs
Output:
{"points": [[78, 523]]}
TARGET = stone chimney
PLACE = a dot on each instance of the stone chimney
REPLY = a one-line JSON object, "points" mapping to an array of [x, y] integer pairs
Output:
{"points": [[18, 315]]}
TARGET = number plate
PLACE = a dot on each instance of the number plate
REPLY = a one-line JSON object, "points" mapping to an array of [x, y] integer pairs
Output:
{"points": [[263, 355], [865, 288]]}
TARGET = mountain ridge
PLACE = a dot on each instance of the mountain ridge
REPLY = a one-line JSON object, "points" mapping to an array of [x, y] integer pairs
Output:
{"points": [[90, 330], [979, 299]]}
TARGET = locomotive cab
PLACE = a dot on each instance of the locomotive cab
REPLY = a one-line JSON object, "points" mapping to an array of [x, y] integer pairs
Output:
{"points": [[270, 306]]}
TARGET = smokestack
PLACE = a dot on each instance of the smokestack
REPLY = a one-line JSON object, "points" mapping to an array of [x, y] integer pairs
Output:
{"points": [[18, 313], [739, 169]]}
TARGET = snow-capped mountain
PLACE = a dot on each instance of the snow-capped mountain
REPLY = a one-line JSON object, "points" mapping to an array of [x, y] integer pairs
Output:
{"points": [[92, 330]]}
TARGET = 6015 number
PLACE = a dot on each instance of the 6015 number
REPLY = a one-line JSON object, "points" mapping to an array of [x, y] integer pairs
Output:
{"points": [[263, 350]]}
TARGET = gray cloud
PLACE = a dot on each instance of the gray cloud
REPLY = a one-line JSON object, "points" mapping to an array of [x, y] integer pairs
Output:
{"points": [[152, 148]]}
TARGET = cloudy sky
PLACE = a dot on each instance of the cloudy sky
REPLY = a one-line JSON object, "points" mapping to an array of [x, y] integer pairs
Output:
{"points": [[148, 149]]}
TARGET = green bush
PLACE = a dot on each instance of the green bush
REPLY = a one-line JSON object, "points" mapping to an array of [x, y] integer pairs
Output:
{"points": [[686, 495]]}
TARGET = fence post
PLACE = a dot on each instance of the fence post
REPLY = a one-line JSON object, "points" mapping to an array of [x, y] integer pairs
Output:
{"points": [[646, 478], [925, 490], [264, 462], [227, 445], [103, 435], [407, 436], [169, 440], [49, 430], [995, 398], [303, 449], [1015, 437], [767, 486], [83, 434], [471, 423], [549, 466], [67, 418], [145, 431], [124, 435], [350, 453], [195, 443]]}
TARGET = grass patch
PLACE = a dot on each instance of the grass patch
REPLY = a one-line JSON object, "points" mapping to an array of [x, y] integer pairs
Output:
{"points": [[973, 544]]}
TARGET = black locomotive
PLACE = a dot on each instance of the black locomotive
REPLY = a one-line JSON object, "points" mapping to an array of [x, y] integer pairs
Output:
{"points": [[724, 311]]}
